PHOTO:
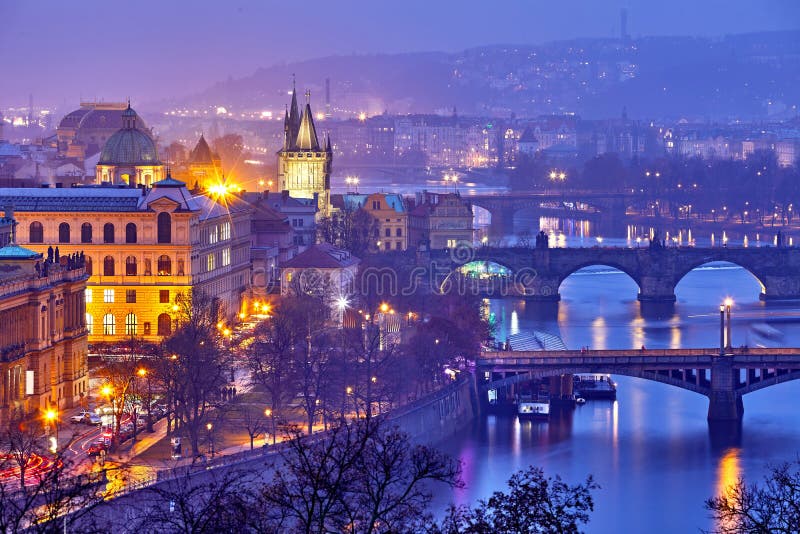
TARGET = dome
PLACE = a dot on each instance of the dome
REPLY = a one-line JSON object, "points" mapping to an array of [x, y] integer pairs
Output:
{"points": [[129, 146]]}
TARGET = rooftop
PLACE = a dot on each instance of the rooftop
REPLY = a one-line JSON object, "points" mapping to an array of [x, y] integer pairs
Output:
{"points": [[322, 256]]}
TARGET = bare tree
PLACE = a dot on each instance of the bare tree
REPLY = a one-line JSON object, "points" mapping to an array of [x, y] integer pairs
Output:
{"points": [[21, 439], [196, 364], [773, 506], [362, 478]]}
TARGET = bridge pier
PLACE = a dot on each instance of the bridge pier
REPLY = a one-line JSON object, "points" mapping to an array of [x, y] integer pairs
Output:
{"points": [[502, 224], [656, 289], [724, 402], [780, 288]]}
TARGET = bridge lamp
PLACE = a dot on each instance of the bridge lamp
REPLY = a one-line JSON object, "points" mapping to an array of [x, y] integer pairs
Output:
{"points": [[553, 175]]}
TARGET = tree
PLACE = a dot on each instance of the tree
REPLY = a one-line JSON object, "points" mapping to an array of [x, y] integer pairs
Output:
{"points": [[196, 363], [533, 504], [118, 374], [21, 440], [773, 506], [354, 230], [362, 478]]}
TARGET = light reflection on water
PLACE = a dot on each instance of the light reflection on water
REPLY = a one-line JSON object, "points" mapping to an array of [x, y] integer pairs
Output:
{"points": [[652, 450]]}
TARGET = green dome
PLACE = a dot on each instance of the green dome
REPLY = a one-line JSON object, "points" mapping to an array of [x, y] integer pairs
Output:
{"points": [[129, 145]]}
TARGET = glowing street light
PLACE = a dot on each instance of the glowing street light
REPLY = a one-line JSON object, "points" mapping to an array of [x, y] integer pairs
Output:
{"points": [[51, 416], [725, 330]]}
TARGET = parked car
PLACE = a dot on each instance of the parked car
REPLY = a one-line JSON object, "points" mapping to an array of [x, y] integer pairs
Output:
{"points": [[86, 417]]}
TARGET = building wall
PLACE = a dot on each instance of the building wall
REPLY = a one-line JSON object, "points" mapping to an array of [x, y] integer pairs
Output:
{"points": [[43, 341], [392, 224], [305, 174]]}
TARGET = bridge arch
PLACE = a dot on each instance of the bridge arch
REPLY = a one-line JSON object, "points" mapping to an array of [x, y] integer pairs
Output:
{"points": [[613, 265], [601, 369], [681, 274], [767, 382]]}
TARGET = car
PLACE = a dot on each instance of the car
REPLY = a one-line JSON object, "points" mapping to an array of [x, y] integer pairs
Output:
{"points": [[96, 448], [86, 417]]}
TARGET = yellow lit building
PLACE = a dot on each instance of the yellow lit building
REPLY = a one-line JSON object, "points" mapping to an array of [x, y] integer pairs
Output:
{"points": [[43, 337], [143, 247], [304, 167]]}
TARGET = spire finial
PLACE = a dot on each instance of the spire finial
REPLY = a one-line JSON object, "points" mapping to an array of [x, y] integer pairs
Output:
{"points": [[308, 96], [294, 82]]}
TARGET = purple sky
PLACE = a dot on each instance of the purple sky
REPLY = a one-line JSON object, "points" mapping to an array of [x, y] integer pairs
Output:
{"points": [[148, 49]]}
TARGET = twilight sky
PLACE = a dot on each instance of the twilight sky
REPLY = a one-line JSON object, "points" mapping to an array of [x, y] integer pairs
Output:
{"points": [[61, 51]]}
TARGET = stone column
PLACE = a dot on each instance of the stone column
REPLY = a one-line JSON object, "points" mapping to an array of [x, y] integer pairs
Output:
{"points": [[724, 403], [656, 289]]}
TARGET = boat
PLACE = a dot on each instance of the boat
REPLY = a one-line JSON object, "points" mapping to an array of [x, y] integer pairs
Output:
{"points": [[533, 407], [594, 387], [580, 400]]}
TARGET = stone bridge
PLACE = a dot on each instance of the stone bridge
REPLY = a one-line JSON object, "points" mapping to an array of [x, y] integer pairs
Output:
{"points": [[537, 274], [608, 208], [723, 378]]}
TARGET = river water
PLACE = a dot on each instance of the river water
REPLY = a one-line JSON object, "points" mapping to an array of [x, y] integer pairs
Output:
{"points": [[651, 450]]}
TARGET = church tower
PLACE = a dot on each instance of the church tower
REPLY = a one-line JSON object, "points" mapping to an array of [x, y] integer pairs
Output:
{"points": [[304, 167]]}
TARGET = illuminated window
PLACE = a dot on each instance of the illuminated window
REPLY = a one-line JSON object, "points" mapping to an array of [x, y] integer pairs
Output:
{"points": [[164, 265], [88, 295], [109, 325], [130, 324], [213, 235], [451, 243], [225, 231], [90, 323], [108, 295], [210, 260], [226, 257]]}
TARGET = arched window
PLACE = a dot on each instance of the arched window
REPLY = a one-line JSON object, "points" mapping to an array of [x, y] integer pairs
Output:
{"points": [[108, 266], [130, 233], [130, 324], [63, 233], [164, 265], [36, 232], [164, 227], [130, 266], [90, 323], [109, 325], [89, 265], [164, 325], [86, 233], [108, 233]]}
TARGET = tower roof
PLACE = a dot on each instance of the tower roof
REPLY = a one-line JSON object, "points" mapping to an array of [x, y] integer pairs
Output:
{"points": [[307, 136], [201, 153]]}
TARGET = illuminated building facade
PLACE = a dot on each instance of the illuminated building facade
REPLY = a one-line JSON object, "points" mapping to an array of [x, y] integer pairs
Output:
{"points": [[143, 247], [391, 217], [443, 220], [129, 156], [43, 338], [304, 167]]}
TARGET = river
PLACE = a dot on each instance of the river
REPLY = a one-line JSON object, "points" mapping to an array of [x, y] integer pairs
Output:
{"points": [[651, 450]]}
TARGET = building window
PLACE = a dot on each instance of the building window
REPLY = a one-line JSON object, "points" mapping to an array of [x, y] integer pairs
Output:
{"points": [[63, 233], [398, 245], [164, 265], [210, 261], [226, 257], [130, 296], [86, 233], [180, 268], [108, 295], [36, 232], [225, 230], [90, 323], [109, 325], [163, 296], [387, 232], [164, 325], [388, 245], [213, 235], [108, 233], [130, 233], [108, 266], [376, 204], [451, 243], [88, 295], [130, 324], [164, 227], [130, 266], [88, 267], [398, 232]]}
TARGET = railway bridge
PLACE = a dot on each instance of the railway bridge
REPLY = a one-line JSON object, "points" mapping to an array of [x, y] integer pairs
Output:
{"points": [[724, 377]]}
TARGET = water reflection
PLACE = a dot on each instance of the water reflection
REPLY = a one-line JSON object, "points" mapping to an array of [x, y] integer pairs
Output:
{"points": [[728, 473]]}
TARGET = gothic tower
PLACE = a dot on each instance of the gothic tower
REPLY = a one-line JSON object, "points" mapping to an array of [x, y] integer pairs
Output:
{"points": [[304, 167]]}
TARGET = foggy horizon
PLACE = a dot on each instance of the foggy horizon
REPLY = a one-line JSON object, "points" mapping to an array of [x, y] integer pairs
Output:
{"points": [[58, 53]]}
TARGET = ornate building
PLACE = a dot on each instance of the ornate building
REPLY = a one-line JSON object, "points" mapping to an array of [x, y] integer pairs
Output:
{"points": [[142, 248], [304, 167], [84, 132], [130, 156], [43, 338]]}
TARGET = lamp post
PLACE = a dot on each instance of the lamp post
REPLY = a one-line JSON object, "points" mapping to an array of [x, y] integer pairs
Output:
{"points": [[728, 305], [721, 329], [268, 414], [209, 427], [51, 416], [142, 373]]}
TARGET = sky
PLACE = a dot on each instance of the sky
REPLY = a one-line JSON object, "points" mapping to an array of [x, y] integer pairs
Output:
{"points": [[151, 49]]}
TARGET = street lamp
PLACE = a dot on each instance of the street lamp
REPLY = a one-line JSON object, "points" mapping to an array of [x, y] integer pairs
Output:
{"points": [[142, 373], [725, 330], [209, 427], [728, 306], [51, 416]]}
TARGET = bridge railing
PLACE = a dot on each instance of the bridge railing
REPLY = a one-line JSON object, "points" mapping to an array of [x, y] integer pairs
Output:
{"points": [[617, 353]]}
